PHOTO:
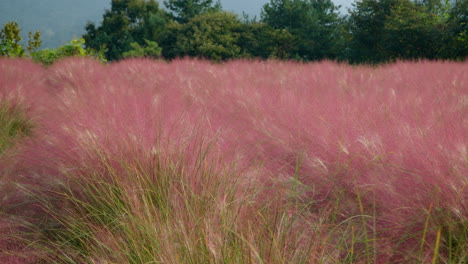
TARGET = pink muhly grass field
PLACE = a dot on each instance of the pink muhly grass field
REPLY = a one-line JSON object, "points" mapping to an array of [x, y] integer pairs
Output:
{"points": [[382, 152]]}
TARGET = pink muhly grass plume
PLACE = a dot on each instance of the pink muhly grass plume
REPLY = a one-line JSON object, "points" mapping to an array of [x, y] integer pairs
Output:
{"points": [[21, 79], [125, 103], [387, 143], [21, 90], [395, 135]]}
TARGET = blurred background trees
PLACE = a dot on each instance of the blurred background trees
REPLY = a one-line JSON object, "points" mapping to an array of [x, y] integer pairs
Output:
{"points": [[373, 31], [10, 41], [184, 10], [211, 35], [126, 22], [75, 48], [11, 46], [313, 24], [386, 30]]}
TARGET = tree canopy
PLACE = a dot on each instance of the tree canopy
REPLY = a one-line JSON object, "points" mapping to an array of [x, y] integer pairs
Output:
{"points": [[385, 30], [184, 10], [375, 31], [10, 41], [126, 22], [212, 35], [314, 25]]}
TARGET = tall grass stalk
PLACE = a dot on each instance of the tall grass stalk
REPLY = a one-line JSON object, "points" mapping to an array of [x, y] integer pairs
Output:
{"points": [[425, 230], [436, 249]]}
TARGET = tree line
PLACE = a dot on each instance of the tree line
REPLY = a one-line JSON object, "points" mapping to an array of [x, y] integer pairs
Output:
{"points": [[374, 31]]}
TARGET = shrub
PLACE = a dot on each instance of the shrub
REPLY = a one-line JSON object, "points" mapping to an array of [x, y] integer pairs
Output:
{"points": [[72, 49]]}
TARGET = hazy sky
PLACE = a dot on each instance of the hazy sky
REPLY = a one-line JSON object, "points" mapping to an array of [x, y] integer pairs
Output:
{"points": [[253, 7]]}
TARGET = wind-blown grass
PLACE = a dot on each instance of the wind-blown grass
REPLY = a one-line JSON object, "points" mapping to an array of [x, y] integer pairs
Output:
{"points": [[15, 124], [243, 162]]}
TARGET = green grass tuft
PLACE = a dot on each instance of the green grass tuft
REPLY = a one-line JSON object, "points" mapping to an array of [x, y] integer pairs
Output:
{"points": [[14, 124]]}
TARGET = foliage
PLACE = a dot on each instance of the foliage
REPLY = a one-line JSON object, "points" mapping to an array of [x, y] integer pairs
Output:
{"points": [[260, 40], [413, 32], [126, 22], [10, 38], [72, 49], [457, 26], [212, 35], [46, 56], [314, 24], [376, 31], [386, 30], [34, 42], [151, 49], [184, 10]]}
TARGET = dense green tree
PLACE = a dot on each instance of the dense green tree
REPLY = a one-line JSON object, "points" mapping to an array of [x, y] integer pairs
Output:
{"points": [[260, 40], [285, 14], [126, 22], [366, 25], [150, 50], [184, 10], [414, 31], [385, 30], [314, 24], [10, 38], [457, 27], [212, 35], [376, 30]]}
